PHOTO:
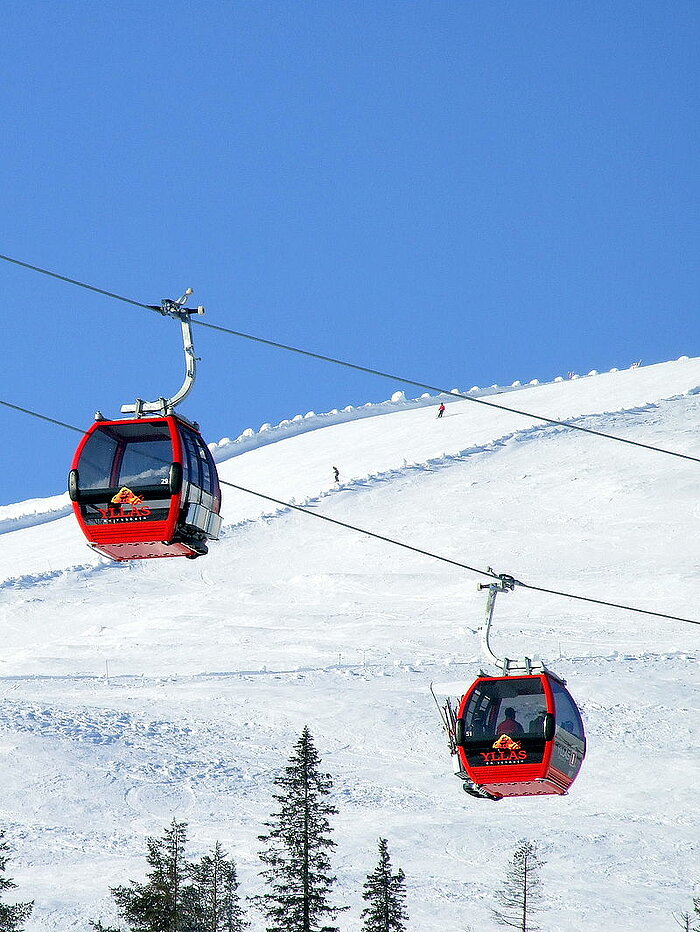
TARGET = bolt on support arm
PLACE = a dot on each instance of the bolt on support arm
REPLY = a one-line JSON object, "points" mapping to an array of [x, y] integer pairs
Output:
{"points": [[165, 406]]}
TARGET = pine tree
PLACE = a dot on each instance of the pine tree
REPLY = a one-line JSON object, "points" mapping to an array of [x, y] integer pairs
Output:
{"points": [[686, 921], [386, 894], [521, 891], [160, 904], [213, 901], [12, 918], [297, 846]]}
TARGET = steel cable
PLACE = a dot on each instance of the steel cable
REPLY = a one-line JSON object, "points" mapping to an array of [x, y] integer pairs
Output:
{"points": [[397, 543], [366, 369]]}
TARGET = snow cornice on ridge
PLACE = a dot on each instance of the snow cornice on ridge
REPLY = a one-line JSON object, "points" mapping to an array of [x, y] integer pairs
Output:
{"points": [[226, 448]]}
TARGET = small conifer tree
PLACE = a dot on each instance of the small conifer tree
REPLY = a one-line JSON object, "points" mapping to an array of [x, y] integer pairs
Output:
{"points": [[297, 846], [386, 894], [12, 918], [160, 904], [214, 902], [686, 922], [519, 897]]}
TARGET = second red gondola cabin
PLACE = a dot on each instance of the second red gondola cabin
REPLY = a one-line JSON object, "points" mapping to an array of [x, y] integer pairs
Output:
{"points": [[519, 736]]}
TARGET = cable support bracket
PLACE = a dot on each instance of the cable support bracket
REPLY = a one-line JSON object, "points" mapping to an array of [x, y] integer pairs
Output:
{"points": [[505, 582], [164, 406], [509, 667]]}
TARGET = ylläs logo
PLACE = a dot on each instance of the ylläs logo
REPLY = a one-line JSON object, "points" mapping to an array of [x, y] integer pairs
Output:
{"points": [[125, 496], [505, 751], [505, 741]]}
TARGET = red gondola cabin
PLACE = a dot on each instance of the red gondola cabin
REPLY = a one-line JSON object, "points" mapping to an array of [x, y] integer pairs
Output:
{"points": [[145, 488], [519, 736]]}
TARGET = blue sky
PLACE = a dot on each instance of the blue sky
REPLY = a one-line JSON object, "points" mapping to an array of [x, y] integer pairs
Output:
{"points": [[465, 193]]}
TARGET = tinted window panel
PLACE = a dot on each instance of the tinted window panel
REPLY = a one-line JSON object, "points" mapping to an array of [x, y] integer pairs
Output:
{"points": [[568, 716], [96, 461], [193, 466], [140, 452], [487, 707], [203, 453], [145, 462]]}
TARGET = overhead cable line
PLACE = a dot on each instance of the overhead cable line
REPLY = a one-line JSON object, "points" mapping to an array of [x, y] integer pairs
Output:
{"points": [[454, 394], [368, 370], [43, 417], [464, 566], [74, 281], [397, 543]]}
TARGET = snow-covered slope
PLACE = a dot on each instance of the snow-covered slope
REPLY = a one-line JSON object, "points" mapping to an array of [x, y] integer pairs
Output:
{"points": [[134, 693]]}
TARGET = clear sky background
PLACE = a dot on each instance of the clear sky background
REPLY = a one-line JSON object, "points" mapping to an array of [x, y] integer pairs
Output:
{"points": [[464, 193]]}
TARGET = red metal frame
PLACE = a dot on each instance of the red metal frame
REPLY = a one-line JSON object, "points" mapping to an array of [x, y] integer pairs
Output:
{"points": [[133, 541], [517, 778]]}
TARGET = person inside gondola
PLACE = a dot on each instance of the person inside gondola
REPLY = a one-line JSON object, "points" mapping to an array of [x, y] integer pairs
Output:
{"points": [[536, 726], [510, 726]]}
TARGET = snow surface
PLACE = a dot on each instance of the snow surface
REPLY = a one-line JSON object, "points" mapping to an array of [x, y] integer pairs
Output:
{"points": [[135, 693]]}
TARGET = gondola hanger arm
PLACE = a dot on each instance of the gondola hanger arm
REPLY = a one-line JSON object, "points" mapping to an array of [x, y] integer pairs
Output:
{"points": [[503, 583], [164, 406]]}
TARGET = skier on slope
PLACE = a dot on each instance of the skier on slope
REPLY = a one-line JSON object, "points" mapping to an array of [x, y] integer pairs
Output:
{"points": [[441, 410]]}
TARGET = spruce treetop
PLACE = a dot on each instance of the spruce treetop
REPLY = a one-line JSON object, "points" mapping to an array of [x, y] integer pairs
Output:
{"points": [[297, 845], [385, 893]]}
